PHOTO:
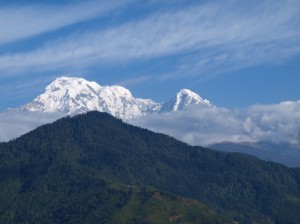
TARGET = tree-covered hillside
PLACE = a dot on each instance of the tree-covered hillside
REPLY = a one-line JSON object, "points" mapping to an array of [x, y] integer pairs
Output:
{"points": [[61, 171]]}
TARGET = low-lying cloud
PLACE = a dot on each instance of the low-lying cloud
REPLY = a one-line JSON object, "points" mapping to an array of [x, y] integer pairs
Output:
{"points": [[15, 124], [196, 125]]}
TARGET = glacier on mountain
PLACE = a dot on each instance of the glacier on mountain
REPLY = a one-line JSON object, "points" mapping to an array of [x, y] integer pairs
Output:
{"points": [[72, 95], [184, 98]]}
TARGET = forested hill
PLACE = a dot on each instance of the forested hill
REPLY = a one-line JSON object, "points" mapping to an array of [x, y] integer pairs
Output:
{"points": [[56, 173]]}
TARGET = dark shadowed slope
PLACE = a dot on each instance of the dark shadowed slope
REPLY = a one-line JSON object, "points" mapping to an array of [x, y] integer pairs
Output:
{"points": [[60, 165]]}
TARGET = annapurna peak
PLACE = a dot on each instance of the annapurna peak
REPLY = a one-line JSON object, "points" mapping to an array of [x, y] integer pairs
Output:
{"points": [[73, 95]]}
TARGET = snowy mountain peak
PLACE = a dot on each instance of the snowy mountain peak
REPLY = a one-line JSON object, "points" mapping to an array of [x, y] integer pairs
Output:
{"points": [[70, 85], [72, 95], [188, 94], [116, 91], [68, 95], [184, 98]]}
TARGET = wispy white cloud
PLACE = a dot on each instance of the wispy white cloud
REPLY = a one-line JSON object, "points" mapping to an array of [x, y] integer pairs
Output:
{"points": [[278, 123], [219, 37], [135, 80], [18, 22]]}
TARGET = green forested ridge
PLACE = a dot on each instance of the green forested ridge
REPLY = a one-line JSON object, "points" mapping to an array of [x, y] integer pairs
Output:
{"points": [[60, 172]]}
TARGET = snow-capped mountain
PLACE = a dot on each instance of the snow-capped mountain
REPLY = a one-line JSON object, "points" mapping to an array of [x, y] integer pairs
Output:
{"points": [[72, 95], [183, 99], [76, 95]]}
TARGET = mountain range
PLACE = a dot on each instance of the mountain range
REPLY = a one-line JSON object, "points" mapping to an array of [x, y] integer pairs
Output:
{"points": [[284, 153], [72, 95], [93, 168]]}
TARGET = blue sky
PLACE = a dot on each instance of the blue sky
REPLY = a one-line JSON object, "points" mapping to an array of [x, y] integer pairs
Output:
{"points": [[234, 53]]}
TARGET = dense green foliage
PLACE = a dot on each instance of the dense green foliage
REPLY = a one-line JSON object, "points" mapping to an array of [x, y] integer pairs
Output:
{"points": [[57, 173], [90, 200]]}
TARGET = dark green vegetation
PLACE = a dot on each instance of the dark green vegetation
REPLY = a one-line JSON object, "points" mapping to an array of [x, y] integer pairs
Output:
{"points": [[77, 170], [90, 200]]}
